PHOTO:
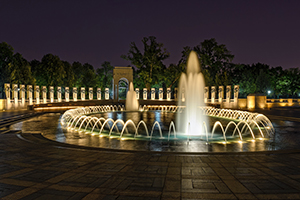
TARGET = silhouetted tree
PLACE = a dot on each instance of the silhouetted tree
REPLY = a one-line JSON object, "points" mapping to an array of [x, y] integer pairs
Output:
{"points": [[53, 70], [20, 71], [6, 58], [105, 75], [149, 62]]}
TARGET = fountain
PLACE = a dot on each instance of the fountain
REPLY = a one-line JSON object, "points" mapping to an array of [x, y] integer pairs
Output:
{"points": [[194, 120], [132, 103], [191, 120]]}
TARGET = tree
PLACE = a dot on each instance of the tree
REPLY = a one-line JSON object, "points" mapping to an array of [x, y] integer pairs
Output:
{"points": [[214, 58], [149, 62], [89, 77], [173, 72], [78, 69], [105, 75], [6, 58], [244, 76], [20, 71], [38, 72], [292, 80], [69, 80], [53, 70], [262, 82]]}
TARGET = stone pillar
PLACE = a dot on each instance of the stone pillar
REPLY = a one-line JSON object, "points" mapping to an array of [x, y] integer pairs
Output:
{"points": [[176, 94], [91, 93], [99, 93], [145, 93], [58, 93], [15, 93], [251, 101], [137, 91], [236, 93], [213, 94], [51, 94], [221, 94], [75, 91], [206, 93], [29, 94], [256, 101], [67, 94], [160, 93], [44, 94], [116, 93], [106, 93], [168, 94], [7, 91], [228, 93], [82, 93], [22, 94], [152, 93], [37, 94]]}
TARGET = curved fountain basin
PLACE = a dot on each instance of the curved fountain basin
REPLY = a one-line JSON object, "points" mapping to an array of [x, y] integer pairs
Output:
{"points": [[112, 122], [50, 127]]}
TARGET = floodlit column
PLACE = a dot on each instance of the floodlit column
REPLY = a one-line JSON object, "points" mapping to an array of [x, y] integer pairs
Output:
{"points": [[67, 94], [15, 93], [22, 94], [29, 94], [221, 94], [58, 92], [99, 93], [75, 93], [168, 93], [106, 93], [7, 91], [236, 93], [145, 93], [176, 94], [206, 96], [90, 93], [82, 93], [137, 91], [44, 94], [37, 94], [51, 94], [213, 94], [152, 93], [228, 93], [161, 93]]}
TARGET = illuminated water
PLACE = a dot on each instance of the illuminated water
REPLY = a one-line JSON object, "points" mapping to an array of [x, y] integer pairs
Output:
{"points": [[132, 103], [286, 138], [191, 120]]}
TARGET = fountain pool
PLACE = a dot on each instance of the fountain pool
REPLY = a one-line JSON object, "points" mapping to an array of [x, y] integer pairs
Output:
{"points": [[157, 122], [194, 120]]}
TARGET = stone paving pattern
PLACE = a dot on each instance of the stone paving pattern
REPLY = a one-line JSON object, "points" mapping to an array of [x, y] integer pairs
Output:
{"points": [[33, 168]]}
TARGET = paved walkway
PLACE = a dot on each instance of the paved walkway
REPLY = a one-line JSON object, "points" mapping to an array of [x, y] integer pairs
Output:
{"points": [[34, 168]]}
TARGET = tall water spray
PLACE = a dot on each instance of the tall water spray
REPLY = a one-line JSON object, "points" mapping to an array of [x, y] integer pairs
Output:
{"points": [[131, 103], [191, 96]]}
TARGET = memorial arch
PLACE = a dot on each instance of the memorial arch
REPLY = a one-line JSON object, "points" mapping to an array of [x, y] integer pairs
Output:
{"points": [[121, 74]]}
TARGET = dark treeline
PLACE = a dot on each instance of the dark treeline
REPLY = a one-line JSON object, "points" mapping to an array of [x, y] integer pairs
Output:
{"points": [[150, 71], [51, 71]]}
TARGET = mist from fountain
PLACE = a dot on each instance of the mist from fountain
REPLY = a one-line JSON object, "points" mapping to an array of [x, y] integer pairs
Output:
{"points": [[131, 103], [191, 121]]}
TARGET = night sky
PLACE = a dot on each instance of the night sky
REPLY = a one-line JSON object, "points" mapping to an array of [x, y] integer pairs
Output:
{"points": [[98, 31]]}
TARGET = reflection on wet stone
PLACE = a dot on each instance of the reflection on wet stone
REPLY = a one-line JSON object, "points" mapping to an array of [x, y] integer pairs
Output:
{"points": [[49, 126]]}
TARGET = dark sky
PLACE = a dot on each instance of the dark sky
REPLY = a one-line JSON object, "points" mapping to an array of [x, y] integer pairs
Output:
{"points": [[98, 31]]}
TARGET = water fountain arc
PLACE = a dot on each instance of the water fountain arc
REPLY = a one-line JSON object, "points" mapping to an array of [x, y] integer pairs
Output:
{"points": [[191, 96]]}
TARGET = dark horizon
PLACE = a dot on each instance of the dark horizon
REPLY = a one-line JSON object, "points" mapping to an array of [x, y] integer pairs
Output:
{"points": [[94, 32]]}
